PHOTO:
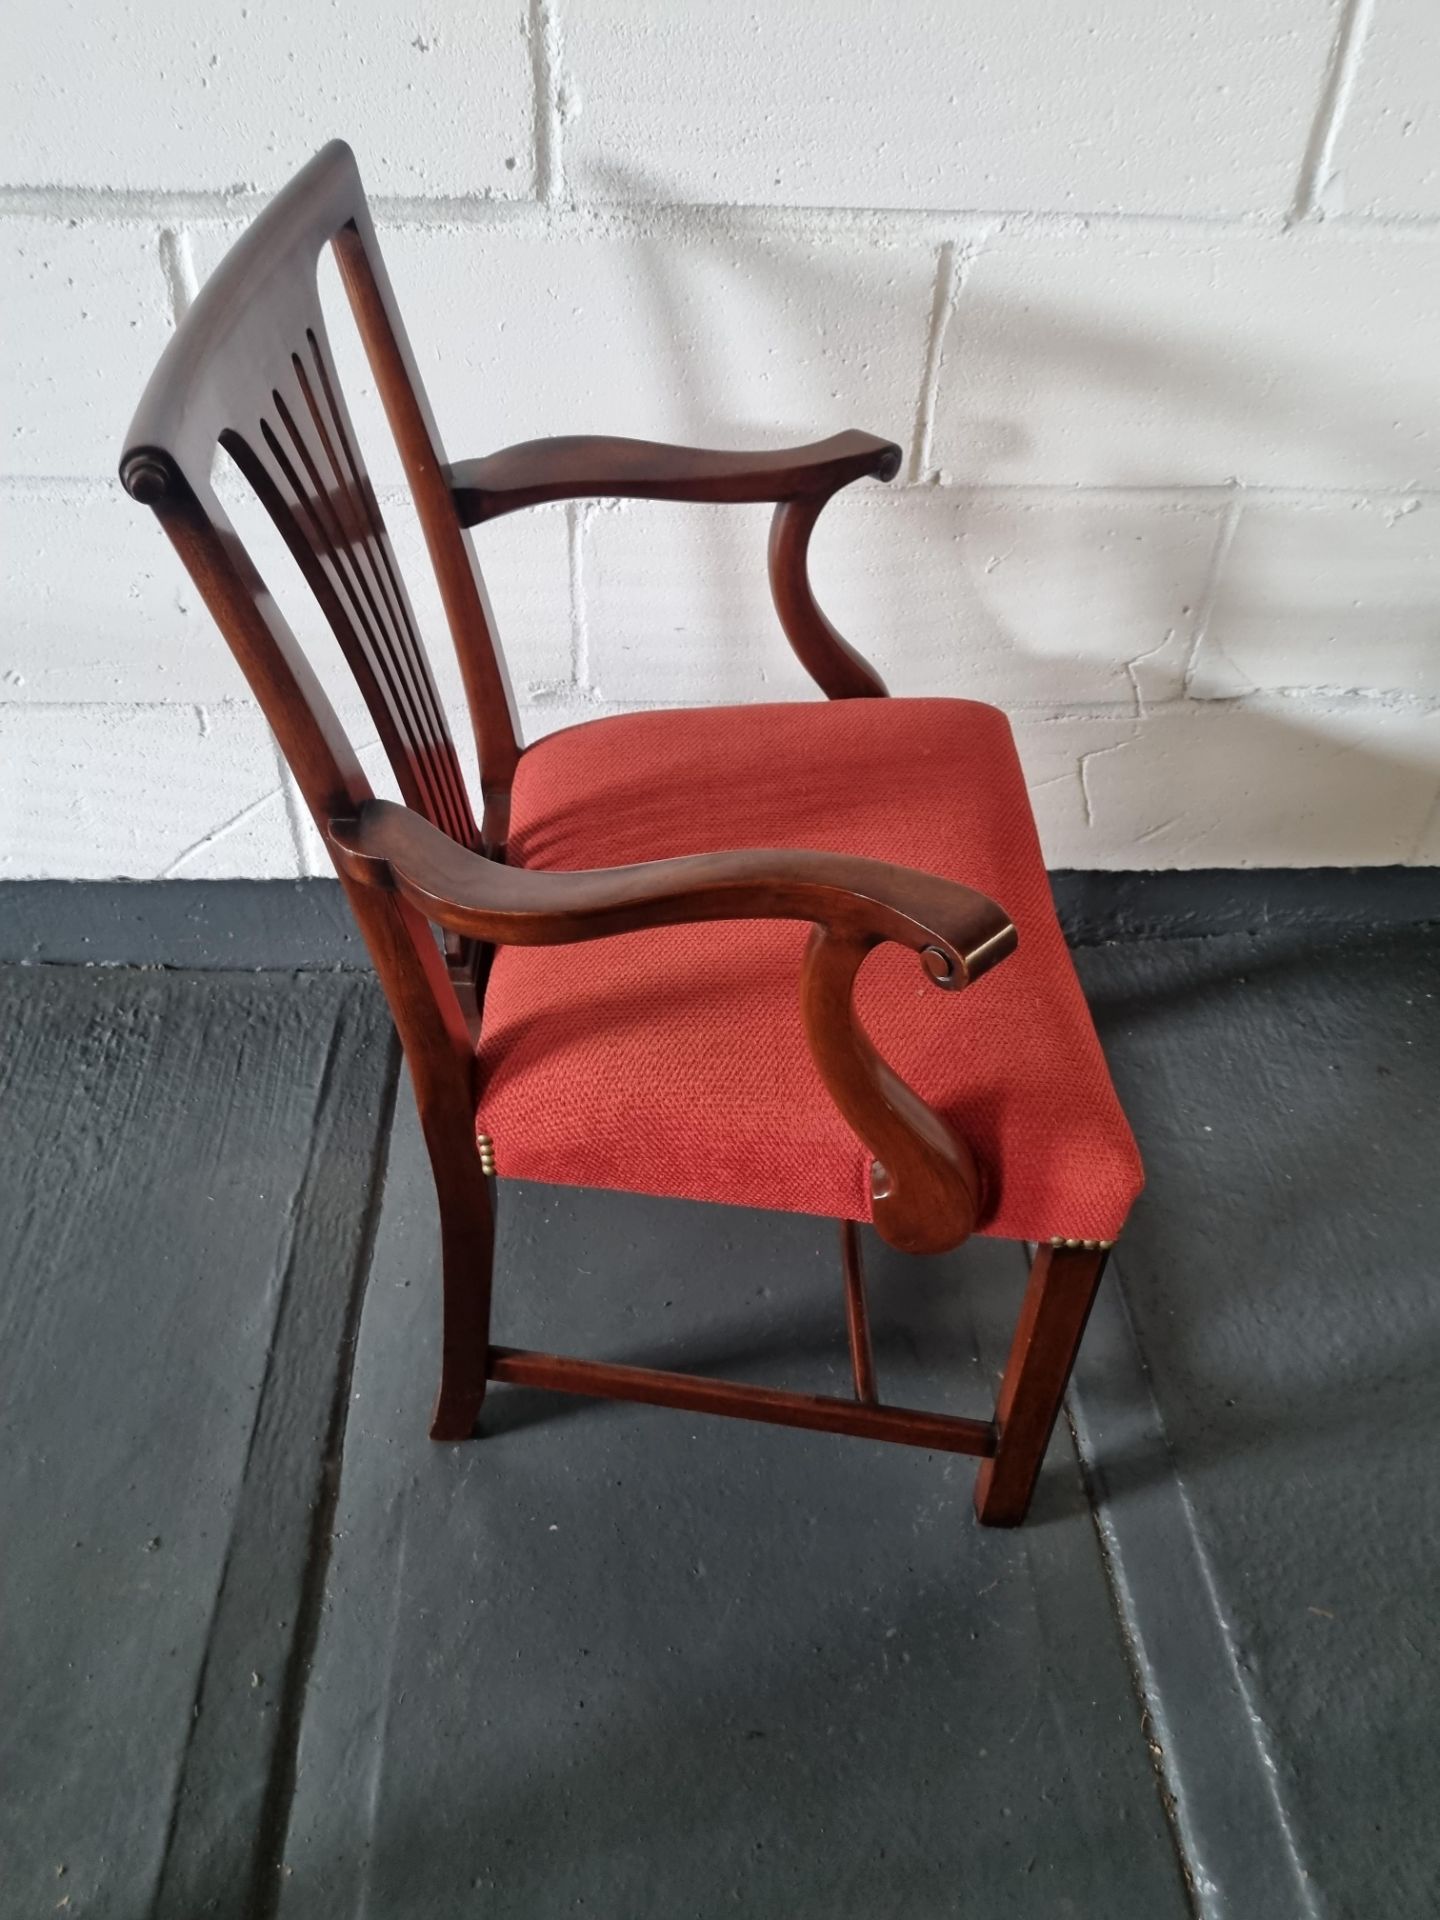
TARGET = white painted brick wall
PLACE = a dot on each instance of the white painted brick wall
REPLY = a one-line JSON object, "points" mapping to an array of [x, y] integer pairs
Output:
{"points": [[227, 96], [1387, 152], [1124, 106], [87, 309], [1150, 295], [946, 591], [1122, 356]]}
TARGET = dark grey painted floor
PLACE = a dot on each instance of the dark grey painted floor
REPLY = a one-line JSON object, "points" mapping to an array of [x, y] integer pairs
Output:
{"points": [[1282, 1280], [626, 1662], [185, 1177]]}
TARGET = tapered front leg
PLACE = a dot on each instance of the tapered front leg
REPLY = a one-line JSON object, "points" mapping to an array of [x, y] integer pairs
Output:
{"points": [[1063, 1280]]}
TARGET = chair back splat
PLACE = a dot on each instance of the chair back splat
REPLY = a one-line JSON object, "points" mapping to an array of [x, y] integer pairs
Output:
{"points": [[251, 372]]}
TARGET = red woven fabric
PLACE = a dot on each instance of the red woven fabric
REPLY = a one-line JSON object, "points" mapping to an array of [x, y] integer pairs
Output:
{"points": [[673, 1061]]}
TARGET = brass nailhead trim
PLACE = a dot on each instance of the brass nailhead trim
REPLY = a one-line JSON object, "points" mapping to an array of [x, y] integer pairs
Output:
{"points": [[486, 1148], [1087, 1246]]}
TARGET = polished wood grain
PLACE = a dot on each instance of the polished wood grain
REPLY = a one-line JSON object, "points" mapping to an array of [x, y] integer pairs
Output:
{"points": [[857, 1315], [800, 479], [488, 692], [958, 933], [250, 374], [925, 1185], [840, 672], [253, 353], [909, 1426], [249, 371], [441, 1056], [592, 466], [303, 465]]}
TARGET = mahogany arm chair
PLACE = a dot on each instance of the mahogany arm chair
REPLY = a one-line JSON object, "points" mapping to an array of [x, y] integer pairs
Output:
{"points": [[620, 847]]}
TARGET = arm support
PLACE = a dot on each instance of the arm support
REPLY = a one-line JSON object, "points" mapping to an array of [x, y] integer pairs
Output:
{"points": [[926, 1188], [593, 466]]}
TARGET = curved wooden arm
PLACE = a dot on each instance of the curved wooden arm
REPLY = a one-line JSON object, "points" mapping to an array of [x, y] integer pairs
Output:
{"points": [[594, 466], [958, 933], [925, 1184], [800, 481]]}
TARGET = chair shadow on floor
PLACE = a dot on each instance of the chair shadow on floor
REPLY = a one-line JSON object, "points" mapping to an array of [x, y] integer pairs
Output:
{"points": [[929, 1323], [664, 1667]]}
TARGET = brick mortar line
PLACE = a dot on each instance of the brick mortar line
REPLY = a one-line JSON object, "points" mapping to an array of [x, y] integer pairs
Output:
{"points": [[542, 33], [1179, 493], [178, 266], [1341, 71], [649, 219], [1316, 699], [1226, 527], [949, 277], [578, 516]]}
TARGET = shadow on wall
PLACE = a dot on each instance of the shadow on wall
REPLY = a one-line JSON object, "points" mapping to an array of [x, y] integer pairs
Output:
{"points": [[1147, 776]]}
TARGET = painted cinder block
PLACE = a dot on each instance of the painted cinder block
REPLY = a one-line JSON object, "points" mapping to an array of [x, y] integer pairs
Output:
{"points": [[236, 95], [1125, 357], [87, 315], [1108, 389], [1054, 749], [141, 792], [1386, 158], [1020, 601], [1268, 782], [741, 340], [99, 607], [1341, 594], [1090, 106], [525, 561], [128, 624], [677, 609]]}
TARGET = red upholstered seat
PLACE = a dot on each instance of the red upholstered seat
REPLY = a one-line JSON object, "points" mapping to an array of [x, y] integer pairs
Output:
{"points": [[673, 1061]]}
